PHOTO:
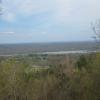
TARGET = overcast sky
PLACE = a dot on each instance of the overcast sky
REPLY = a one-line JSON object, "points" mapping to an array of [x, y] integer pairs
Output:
{"points": [[47, 20]]}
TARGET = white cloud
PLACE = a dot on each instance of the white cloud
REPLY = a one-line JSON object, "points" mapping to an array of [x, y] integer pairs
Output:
{"points": [[24, 7], [8, 16], [60, 10], [30, 7], [94, 8], [7, 33], [37, 32]]}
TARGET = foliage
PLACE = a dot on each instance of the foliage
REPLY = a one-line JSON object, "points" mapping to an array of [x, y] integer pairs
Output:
{"points": [[58, 79]]}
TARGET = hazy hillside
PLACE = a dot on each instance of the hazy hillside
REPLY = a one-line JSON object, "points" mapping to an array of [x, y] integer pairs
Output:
{"points": [[7, 49]]}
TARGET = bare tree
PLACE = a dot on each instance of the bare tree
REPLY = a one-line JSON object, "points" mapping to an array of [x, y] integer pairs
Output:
{"points": [[96, 30]]}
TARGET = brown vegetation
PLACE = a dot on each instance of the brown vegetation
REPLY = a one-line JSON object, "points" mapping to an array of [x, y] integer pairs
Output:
{"points": [[66, 78]]}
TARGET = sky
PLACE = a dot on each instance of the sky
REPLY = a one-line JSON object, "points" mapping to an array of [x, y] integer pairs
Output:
{"points": [[23, 21]]}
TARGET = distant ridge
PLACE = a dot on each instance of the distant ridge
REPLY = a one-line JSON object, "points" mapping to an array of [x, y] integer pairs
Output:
{"points": [[27, 48]]}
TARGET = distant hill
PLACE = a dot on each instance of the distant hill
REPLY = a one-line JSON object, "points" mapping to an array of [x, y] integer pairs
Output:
{"points": [[11, 49]]}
